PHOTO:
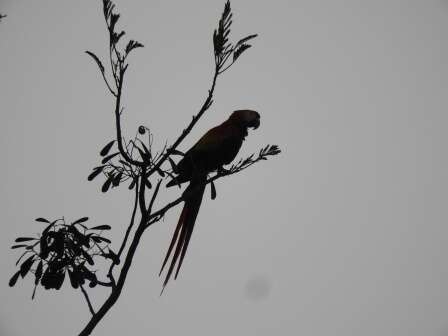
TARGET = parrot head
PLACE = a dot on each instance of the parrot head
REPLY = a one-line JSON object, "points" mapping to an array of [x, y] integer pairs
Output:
{"points": [[246, 118]]}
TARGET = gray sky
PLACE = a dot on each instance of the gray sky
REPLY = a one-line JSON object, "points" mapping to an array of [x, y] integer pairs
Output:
{"points": [[344, 233]]}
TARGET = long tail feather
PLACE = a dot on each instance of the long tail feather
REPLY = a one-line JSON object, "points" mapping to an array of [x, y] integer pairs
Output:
{"points": [[183, 231]]}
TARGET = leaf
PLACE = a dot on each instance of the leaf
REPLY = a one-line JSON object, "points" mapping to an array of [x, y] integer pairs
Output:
{"points": [[113, 20], [213, 190], [13, 279], [97, 60], [107, 158], [87, 257], [43, 220], [34, 292], [18, 246], [38, 273], [107, 148], [73, 279], [148, 153], [117, 179], [220, 35], [237, 53], [116, 37], [132, 185], [125, 163], [20, 258], [106, 184], [108, 8], [132, 45], [95, 173], [148, 184], [143, 155], [247, 38], [101, 227], [81, 220], [173, 165], [24, 239], [26, 265], [100, 239], [160, 172], [59, 279]]}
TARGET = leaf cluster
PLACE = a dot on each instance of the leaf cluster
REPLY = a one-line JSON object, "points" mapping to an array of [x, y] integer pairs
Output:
{"points": [[222, 47], [117, 54], [117, 170], [263, 154], [62, 248]]}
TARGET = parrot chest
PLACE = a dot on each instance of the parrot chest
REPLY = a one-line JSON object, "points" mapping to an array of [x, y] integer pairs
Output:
{"points": [[217, 148]]}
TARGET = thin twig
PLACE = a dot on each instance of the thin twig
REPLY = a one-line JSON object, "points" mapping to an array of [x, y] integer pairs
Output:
{"points": [[87, 299]]}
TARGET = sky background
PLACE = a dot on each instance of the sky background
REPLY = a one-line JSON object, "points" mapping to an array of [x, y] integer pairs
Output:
{"points": [[344, 233]]}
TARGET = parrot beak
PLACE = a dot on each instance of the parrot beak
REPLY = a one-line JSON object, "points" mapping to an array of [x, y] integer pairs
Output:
{"points": [[256, 121]]}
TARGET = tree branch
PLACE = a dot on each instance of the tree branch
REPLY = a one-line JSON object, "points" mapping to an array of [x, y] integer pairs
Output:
{"points": [[116, 291], [154, 195], [208, 102], [126, 236]]}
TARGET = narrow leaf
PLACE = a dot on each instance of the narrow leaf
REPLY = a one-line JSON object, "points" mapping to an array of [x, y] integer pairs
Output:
{"points": [[26, 265], [107, 158], [20, 258], [101, 227], [243, 40], [213, 190], [132, 185], [13, 279], [148, 184], [173, 165], [107, 148], [94, 174], [24, 239], [73, 279], [81, 220], [106, 184], [42, 220], [97, 60], [38, 273], [100, 239], [18, 246], [237, 53], [117, 179], [160, 172]]}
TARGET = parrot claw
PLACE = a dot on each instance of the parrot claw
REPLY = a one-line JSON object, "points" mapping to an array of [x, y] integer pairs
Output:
{"points": [[223, 171]]}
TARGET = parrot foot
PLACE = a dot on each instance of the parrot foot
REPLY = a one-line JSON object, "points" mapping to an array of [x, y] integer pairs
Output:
{"points": [[223, 171]]}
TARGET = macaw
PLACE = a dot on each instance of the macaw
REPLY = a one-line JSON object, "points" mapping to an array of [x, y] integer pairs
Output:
{"points": [[217, 147]]}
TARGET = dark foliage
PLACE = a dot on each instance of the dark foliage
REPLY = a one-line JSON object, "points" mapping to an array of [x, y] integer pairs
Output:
{"points": [[62, 248]]}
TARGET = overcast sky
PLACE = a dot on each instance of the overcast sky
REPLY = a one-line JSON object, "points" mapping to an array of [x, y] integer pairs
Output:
{"points": [[345, 233]]}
